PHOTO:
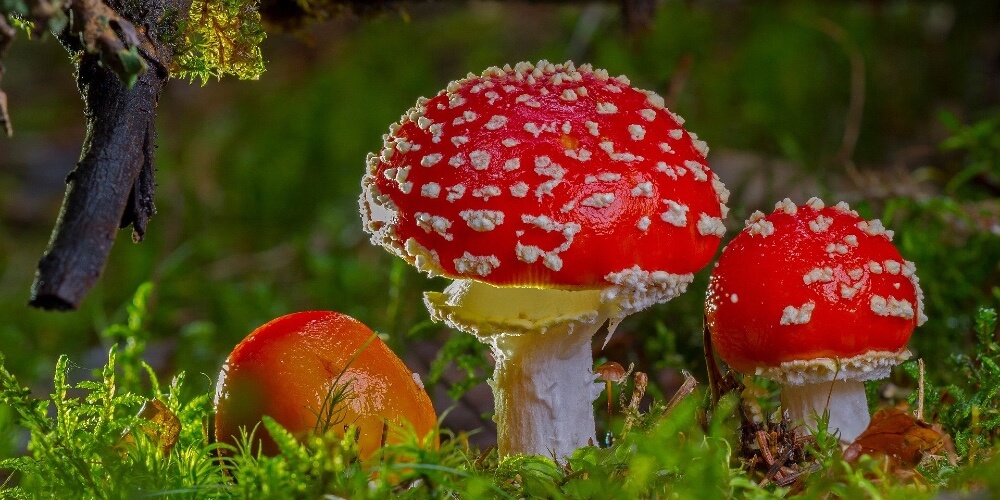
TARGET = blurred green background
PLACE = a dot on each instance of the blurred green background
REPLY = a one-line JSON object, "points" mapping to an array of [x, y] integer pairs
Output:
{"points": [[893, 106]]}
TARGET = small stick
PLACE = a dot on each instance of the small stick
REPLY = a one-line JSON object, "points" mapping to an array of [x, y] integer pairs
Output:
{"points": [[714, 373], [641, 380], [780, 463], [483, 455], [765, 448], [920, 390], [685, 390], [795, 475]]}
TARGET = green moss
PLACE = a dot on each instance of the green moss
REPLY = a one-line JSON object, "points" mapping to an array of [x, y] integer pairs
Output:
{"points": [[220, 38]]}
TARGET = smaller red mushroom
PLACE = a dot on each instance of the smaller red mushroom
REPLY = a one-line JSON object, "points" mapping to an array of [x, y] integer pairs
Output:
{"points": [[818, 299], [289, 368]]}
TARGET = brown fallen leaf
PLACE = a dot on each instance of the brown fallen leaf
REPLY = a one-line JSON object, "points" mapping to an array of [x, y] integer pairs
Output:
{"points": [[900, 438], [161, 425]]}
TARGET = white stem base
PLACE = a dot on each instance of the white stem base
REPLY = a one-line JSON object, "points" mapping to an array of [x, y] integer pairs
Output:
{"points": [[848, 407], [544, 390], [543, 384]]}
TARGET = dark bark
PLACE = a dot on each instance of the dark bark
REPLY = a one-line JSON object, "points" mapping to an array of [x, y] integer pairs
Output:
{"points": [[112, 184], [118, 151]]}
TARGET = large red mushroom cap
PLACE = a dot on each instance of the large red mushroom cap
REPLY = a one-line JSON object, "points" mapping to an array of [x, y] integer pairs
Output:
{"points": [[544, 176], [810, 293]]}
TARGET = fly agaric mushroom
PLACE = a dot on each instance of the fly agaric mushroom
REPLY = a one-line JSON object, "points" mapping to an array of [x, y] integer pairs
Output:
{"points": [[558, 199], [819, 300], [296, 366]]}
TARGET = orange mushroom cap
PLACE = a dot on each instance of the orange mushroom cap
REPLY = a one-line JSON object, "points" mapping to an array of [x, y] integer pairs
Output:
{"points": [[286, 369], [813, 289]]}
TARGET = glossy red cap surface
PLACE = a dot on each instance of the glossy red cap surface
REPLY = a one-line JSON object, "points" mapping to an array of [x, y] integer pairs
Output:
{"points": [[811, 282], [543, 175]]}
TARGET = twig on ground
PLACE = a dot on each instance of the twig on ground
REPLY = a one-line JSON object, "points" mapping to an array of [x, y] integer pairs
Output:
{"points": [[684, 391], [920, 390]]}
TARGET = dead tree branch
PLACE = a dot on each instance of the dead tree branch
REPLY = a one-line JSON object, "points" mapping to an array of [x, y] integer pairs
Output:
{"points": [[112, 184]]}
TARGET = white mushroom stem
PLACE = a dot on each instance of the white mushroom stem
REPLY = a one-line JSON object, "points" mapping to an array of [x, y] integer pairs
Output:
{"points": [[543, 383], [845, 399], [544, 390]]}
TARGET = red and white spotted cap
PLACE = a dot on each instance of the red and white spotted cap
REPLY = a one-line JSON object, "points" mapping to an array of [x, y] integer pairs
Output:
{"points": [[544, 175], [810, 293]]}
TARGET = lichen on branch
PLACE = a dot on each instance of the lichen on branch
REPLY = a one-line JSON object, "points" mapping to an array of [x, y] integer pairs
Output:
{"points": [[220, 38]]}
